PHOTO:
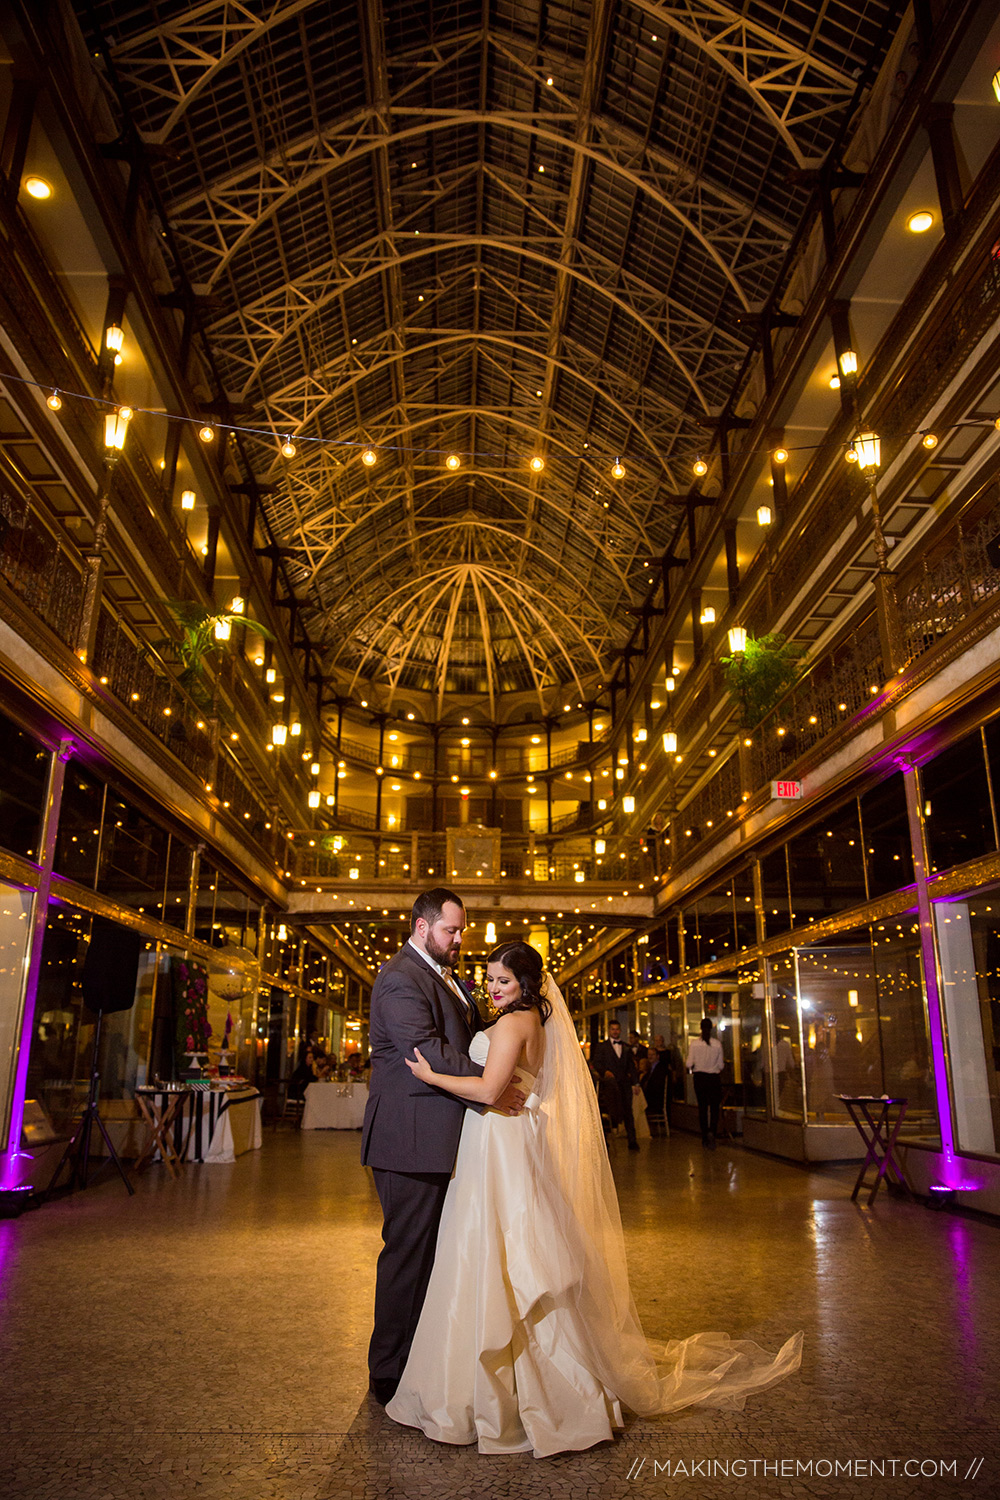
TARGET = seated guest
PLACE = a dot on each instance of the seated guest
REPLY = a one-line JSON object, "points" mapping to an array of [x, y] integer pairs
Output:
{"points": [[654, 1086], [302, 1077], [640, 1052], [322, 1065]]}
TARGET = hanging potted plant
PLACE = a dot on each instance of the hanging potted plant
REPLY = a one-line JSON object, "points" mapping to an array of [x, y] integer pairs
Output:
{"points": [[202, 633], [760, 675]]}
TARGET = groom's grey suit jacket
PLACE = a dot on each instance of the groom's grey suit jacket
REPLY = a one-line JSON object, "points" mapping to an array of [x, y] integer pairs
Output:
{"points": [[411, 1126]]}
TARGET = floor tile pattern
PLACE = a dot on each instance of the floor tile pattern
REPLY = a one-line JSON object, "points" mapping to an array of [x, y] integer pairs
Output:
{"points": [[207, 1339]]}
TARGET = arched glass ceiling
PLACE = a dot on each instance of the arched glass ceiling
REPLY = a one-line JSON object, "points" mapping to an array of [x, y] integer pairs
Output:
{"points": [[495, 230]]}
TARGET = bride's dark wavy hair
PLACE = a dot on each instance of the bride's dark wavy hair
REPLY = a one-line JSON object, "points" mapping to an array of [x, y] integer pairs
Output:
{"points": [[525, 963]]}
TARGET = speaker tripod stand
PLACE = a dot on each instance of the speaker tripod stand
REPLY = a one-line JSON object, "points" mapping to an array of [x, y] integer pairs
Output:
{"points": [[77, 1152]]}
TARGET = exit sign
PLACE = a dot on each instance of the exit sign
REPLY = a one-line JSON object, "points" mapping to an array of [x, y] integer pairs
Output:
{"points": [[786, 791]]}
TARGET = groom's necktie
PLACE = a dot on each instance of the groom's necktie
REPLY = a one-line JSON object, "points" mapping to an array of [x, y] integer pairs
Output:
{"points": [[459, 993]]}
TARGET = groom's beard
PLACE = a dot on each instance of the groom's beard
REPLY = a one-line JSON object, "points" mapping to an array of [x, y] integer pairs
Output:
{"points": [[446, 957]]}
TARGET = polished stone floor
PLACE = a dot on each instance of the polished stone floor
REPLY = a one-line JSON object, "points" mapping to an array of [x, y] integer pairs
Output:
{"points": [[207, 1339]]}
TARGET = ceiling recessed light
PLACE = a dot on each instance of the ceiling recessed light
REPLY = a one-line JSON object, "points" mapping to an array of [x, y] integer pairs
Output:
{"points": [[920, 222], [37, 187]]}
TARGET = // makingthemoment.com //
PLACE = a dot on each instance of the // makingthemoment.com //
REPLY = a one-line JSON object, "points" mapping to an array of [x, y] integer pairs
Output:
{"points": [[962, 1469]]}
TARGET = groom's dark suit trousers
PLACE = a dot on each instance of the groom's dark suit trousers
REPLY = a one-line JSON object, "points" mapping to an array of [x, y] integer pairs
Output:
{"points": [[411, 1207]]}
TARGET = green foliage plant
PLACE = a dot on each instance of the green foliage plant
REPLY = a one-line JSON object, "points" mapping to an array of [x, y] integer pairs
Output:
{"points": [[761, 676], [198, 642]]}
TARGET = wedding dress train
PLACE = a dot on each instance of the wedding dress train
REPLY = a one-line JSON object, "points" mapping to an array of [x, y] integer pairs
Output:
{"points": [[528, 1339]]}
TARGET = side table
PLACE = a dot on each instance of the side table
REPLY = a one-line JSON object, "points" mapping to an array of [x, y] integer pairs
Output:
{"points": [[873, 1117], [162, 1118]]}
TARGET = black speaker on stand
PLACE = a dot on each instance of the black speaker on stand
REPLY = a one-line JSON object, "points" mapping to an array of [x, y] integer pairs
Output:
{"points": [[108, 982]]}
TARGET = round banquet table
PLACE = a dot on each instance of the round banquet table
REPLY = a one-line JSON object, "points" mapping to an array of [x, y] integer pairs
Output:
{"points": [[334, 1106]]}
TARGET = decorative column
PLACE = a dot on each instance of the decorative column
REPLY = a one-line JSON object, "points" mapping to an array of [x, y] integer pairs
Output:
{"points": [[928, 955], [25, 1030]]}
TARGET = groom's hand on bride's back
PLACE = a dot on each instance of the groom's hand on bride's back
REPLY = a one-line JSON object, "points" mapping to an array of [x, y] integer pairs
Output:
{"points": [[511, 1101]]}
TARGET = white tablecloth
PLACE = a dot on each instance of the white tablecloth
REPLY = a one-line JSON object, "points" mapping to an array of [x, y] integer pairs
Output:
{"points": [[334, 1106], [216, 1125], [237, 1128]]}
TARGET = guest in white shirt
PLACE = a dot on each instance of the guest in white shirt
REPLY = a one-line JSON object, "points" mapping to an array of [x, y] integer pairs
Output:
{"points": [[705, 1062]]}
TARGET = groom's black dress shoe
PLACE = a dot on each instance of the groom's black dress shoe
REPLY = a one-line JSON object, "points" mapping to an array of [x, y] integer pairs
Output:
{"points": [[383, 1390]]}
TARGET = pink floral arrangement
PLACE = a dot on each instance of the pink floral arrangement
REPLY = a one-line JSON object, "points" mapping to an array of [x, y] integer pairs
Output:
{"points": [[190, 997]]}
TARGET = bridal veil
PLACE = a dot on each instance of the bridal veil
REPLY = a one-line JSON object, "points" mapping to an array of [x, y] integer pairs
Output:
{"points": [[585, 1261]]}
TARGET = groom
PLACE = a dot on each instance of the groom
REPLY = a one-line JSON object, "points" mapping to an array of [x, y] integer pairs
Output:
{"points": [[411, 1130]]}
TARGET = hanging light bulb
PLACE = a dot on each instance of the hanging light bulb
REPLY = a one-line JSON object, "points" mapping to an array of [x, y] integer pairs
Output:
{"points": [[599, 846], [491, 933], [207, 434], [628, 804], [929, 440], [288, 449], [700, 467], [537, 464], [617, 469], [453, 462], [707, 616], [279, 734], [780, 456], [848, 363], [223, 629], [314, 799], [187, 499], [369, 458], [54, 402], [670, 742], [296, 729], [737, 640], [763, 515], [271, 675], [114, 338], [237, 605], [850, 456]]}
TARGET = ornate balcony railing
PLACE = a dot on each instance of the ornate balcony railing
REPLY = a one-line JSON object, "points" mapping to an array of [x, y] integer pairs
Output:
{"points": [[830, 693], [129, 669], [950, 584], [38, 570], [243, 803], [419, 858]]}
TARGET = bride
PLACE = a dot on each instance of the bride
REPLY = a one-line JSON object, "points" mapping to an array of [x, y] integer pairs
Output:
{"points": [[528, 1339]]}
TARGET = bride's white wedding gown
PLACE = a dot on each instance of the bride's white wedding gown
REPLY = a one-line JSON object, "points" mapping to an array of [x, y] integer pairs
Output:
{"points": [[528, 1339]]}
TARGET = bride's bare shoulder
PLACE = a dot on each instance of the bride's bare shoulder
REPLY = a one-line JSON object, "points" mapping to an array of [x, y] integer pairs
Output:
{"points": [[523, 1022]]}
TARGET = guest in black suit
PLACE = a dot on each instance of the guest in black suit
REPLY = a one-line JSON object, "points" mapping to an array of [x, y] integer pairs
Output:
{"points": [[613, 1062], [411, 1129]]}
